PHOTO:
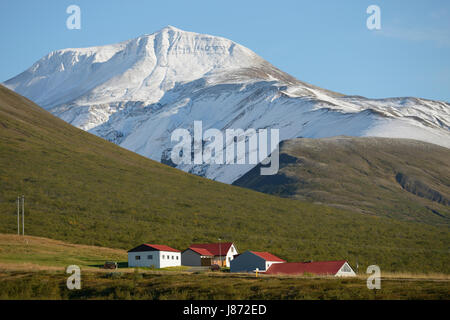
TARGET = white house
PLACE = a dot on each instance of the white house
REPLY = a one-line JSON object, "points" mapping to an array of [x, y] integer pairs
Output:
{"points": [[206, 254], [158, 256], [249, 261]]}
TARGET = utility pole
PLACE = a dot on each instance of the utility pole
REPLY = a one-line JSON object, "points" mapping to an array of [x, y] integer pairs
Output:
{"points": [[23, 215], [18, 215], [357, 266]]}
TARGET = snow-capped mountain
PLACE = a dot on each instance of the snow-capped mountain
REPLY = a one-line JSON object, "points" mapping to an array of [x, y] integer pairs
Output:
{"points": [[135, 93]]}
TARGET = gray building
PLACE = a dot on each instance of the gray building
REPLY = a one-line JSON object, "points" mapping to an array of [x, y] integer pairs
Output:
{"points": [[196, 257], [249, 261]]}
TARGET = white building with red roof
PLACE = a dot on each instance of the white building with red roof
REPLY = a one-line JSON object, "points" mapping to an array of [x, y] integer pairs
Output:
{"points": [[207, 254], [249, 261], [154, 255]]}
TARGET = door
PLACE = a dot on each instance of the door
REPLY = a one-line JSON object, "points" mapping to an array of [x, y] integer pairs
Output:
{"points": [[206, 262]]}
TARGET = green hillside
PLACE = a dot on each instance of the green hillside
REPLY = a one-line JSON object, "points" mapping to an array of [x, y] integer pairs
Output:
{"points": [[85, 190], [398, 178]]}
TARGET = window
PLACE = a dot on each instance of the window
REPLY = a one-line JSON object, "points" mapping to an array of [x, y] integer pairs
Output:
{"points": [[138, 257], [173, 258], [232, 249], [346, 268], [150, 257], [177, 257], [163, 256]]}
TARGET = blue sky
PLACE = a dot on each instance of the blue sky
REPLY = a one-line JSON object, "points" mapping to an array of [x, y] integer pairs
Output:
{"points": [[325, 43]]}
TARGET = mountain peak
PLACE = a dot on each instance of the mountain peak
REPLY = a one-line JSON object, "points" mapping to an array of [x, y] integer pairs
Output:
{"points": [[136, 92], [167, 29], [171, 28], [140, 69]]}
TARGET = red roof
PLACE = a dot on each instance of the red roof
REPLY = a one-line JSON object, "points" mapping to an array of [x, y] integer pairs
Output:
{"points": [[162, 247], [157, 247], [267, 256], [202, 251], [319, 267], [215, 249]]}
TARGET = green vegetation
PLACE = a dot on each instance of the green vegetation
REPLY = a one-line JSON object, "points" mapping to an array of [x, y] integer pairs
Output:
{"points": [[34, 268], [30, 253], [81, 188], [398, 178], [171, 285]]}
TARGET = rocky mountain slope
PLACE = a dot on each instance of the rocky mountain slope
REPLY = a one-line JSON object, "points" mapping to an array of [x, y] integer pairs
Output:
{"points": [[399, 178]]}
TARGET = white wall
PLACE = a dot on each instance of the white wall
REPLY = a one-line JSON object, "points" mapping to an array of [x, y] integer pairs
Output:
{"points": [[231, 252], [343, 273], [156, 260], [269, 263], [169, 259]]}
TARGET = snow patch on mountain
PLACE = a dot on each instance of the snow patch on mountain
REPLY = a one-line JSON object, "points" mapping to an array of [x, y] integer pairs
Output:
{"points": [[137, 92]]}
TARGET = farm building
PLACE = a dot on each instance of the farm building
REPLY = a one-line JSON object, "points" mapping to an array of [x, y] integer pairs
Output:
{"points": [[250, 260], [207, 254], [339, 268], [154, 255], [196, 257]]}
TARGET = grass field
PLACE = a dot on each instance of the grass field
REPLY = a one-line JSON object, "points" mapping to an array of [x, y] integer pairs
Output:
{"points": [[34, 268], [211, 286], [29, 253]]}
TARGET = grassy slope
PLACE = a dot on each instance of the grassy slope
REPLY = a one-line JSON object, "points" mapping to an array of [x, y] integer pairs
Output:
{"points": [[81, 188], [38, 253], [398, 178]]}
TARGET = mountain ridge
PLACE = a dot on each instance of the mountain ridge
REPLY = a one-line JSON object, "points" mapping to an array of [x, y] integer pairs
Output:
{"points": [[402, 178], [141, 90]]}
